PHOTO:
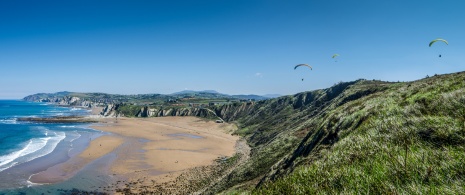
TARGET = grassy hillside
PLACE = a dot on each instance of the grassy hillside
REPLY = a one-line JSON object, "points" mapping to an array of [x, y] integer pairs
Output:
{"points": [[408, 138], [356, 137]]}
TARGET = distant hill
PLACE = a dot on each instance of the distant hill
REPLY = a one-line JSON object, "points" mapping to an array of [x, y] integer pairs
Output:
{"points": [[192, 91], [272, 95], [89, 99], [250, 97], [213, 93]]}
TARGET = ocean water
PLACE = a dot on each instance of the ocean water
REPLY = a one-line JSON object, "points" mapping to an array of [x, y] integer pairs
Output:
{"points": [[27, 148]]}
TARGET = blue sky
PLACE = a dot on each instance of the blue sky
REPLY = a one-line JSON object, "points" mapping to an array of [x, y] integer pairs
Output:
{"points": [[232, 46]]}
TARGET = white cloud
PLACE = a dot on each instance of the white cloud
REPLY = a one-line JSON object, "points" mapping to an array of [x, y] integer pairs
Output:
{"points": [[258, 74]]}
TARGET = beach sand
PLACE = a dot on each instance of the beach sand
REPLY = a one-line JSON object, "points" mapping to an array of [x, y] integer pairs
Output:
{"points": [[156, 147], [153, 149]]}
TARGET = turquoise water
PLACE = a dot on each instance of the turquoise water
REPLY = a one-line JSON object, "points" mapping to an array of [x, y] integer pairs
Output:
{"points": [[27, 148]]}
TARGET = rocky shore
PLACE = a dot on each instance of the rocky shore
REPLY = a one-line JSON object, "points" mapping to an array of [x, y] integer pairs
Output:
{"points": [[60, 119]]}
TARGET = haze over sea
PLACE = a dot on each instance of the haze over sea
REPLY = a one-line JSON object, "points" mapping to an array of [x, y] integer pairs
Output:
{"points": [[27, 148]]}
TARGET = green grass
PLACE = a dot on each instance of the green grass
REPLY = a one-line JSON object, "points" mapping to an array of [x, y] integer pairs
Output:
{"points": [[408, 140], [129, 110]]}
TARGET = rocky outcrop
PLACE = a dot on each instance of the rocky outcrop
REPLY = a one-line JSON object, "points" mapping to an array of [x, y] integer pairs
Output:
{"points": [[89, 104], [110, 110], [147, 112], [186, 111], [230, 112], [66, 101]]}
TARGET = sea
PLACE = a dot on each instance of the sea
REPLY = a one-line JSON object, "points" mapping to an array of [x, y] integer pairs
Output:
{"points": [[27, 148]]}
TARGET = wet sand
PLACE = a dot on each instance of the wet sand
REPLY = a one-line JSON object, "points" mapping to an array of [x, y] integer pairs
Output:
{"points": [[63, 171], [154, 149]]}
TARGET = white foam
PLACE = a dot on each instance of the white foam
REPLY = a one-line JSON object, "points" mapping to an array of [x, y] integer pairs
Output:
{"points": [[68, 126], [9, 121], [35, 148], [30, 116], [78, 136], [32, 146], [31, 184], [41, 128]]}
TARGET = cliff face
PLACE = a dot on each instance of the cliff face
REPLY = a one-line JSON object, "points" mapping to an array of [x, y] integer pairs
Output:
{"points": [[160, 112], [110, 110], [64, 101], [227, 112], [224, 112], [232, 112]]}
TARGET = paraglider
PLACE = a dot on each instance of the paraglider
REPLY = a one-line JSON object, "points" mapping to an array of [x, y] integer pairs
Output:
{"points": [[334, 57], [436, 40], [299, 65]]}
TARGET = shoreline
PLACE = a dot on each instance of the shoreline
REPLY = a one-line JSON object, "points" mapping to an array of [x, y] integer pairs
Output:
{"points": [[154, 150], [63, 171], [65, 150]]}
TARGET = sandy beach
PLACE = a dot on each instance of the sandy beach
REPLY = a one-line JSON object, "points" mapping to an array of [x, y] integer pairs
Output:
{"points": [[153, 149]]}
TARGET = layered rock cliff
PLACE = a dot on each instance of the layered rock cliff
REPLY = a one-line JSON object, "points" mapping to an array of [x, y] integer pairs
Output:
{"points": [[65, 101], [227, 112], [186, 111]]}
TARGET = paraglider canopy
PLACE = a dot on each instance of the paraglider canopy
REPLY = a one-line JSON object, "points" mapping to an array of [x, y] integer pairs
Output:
{"points": [[436, 40], [334, 57], [299, 65]]}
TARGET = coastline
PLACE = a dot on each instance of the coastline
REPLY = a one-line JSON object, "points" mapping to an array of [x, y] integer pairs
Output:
{"points": [[153, 150]]}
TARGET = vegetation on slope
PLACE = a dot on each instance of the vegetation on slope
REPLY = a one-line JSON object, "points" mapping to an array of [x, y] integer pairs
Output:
{"points": [[409, 138], [277, 127]]}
